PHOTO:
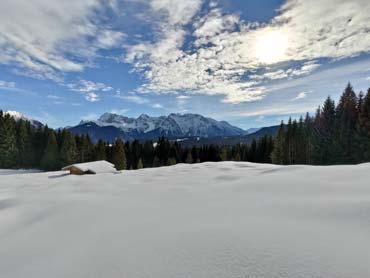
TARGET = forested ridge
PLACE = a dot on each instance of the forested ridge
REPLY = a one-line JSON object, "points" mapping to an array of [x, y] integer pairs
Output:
{"points": [[336, 134], [24, 146]]}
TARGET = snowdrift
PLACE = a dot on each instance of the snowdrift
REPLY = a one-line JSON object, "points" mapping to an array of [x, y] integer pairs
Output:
{"points": [[205, 220]]}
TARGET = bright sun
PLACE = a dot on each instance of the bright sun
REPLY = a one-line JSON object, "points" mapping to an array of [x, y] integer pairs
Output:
{"points": [[271, 46]]}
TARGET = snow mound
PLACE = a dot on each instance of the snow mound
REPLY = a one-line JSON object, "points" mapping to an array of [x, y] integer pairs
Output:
{"points": [[96, 167], [202, 220]]}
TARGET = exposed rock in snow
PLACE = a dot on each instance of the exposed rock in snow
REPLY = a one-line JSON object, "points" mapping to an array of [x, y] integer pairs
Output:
{"points": [[203, 220]]}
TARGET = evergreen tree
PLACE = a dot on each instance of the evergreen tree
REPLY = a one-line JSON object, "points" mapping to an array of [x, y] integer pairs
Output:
{"points": [[171, 161], [39, 142], [22, 144], [189, 158], [50, 159], [85, 148], [119, 156], [252, 152], [148, 153], [100, 151], [363, 139], [8, 142], [348, 117], [223, 154], [156, 162], [194, 153], [300, 144], [68, 150], [139, 164], [278, 153]]}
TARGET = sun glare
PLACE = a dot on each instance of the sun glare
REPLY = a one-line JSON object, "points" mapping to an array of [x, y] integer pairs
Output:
{"points": [[271, 46]]}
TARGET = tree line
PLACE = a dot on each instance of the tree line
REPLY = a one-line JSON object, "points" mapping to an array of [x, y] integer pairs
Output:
{"points": [[336, 134], [24, 146]]}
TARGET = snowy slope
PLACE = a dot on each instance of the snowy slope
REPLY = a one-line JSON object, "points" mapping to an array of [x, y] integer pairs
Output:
{"points": [[208, 220], [19, 116], [171, 125]]}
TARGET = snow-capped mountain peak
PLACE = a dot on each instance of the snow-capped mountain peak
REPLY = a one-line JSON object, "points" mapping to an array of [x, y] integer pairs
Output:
{"points": [[20, 116], [173, 125], [16, 115]]}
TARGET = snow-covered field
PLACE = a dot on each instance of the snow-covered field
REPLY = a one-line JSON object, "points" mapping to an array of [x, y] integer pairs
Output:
{"points": [[206, 220]]}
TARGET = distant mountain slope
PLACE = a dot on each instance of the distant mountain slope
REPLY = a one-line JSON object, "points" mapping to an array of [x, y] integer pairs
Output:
{"points": [[252, 130], [19, 116], [96, 132], [110, 126], [229, 141]]}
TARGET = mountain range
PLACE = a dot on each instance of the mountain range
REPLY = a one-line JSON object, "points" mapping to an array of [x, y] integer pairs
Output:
{"points": [[111, 126], [187, 129]]}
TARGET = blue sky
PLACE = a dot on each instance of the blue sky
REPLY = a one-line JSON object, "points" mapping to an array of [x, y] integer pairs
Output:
{"points": [[252, 63]]}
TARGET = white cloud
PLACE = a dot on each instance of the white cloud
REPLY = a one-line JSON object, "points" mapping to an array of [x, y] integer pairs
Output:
{"points": [[89, 89], [44, 38], [177, 12], [133, 98], [214, 23], [190, 50], [120, 111], [213, 4], [331, 28], [90, 117], [273, 111], [7, 84], [306, 68], [300, 95], [157, 106], [181, 101], [91, 97], [53, 97], [225, 57], [183, 97]]}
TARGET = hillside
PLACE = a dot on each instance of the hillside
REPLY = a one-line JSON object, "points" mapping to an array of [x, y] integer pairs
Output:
{"points": [[230, 140], [206, 220]]}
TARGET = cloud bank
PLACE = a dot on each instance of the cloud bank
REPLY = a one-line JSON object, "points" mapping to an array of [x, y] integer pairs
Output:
{"points": [[44, 39], [220, 54], [194, 47]]}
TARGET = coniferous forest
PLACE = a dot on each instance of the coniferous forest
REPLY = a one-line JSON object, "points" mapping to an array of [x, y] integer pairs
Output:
{"points": [[24, 146], [336, 134]]}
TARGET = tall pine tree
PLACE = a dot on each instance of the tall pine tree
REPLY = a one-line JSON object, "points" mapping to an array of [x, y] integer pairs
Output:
{"points": [[51, 160], [119, 156], [68, 149]]}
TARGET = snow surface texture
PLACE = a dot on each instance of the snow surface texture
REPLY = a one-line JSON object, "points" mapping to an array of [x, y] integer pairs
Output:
{"points": [[205, 220]]}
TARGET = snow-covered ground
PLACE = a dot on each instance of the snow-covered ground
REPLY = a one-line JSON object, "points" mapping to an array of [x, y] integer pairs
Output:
{"points": [[206, 220]]}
